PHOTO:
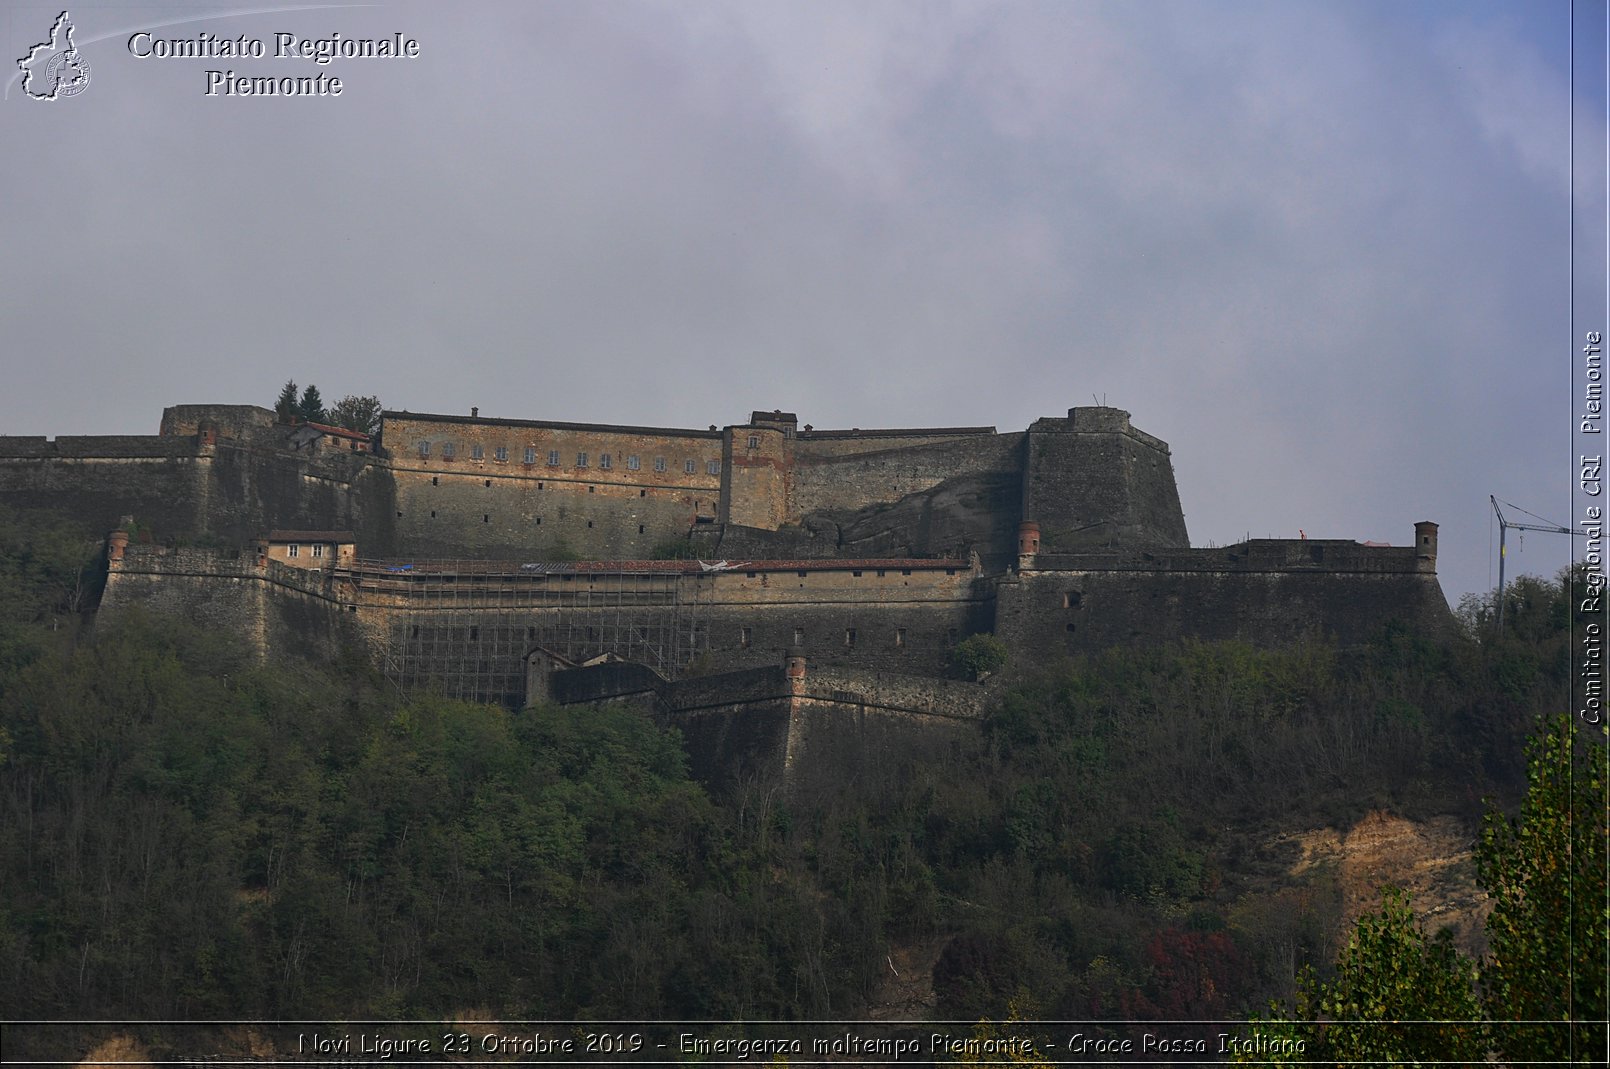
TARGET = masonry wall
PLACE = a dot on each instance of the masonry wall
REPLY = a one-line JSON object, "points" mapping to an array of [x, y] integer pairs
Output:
{"points": [[97, 480], [277, 610], [241, 422], [182, 490], [848, 474], [450, 504], [1043, 615], [1093, 481], [756, 477]]}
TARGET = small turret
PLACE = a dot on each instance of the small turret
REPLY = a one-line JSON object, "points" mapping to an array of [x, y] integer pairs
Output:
{"points": [[1425, 545], [794, 667], [1028, 538]]}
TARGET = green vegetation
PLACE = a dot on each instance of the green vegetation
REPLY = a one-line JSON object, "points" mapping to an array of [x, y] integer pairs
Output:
{"points": [[285, 405], [185, 832], [673, 549], [361, 414], [355, 413], [978, 657], [1545, 872]]}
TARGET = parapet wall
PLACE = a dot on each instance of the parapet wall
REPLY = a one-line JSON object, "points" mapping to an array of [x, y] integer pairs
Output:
{"points": [[240, 422], [1051, 613], [274, 608]]}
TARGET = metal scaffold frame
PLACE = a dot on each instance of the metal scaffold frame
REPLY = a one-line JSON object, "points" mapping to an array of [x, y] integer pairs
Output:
{"points": [[468, 626]]}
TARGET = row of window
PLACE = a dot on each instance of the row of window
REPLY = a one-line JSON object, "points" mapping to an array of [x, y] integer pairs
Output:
{"points": [[293, 549], [746, 637], [605, 460]]}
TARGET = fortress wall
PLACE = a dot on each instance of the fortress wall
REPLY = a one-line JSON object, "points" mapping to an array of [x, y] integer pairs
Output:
{"points": [[826, 481], [178, 488], [96, 481], [277, 610], [756, 472], [471, 511], [897, 693], [1050, 614], [241, 422], [837, 744], [508, 508], [901, 622], [1254, 555], [1092, 480], [823, 445], [251, 490], [404, 434]]}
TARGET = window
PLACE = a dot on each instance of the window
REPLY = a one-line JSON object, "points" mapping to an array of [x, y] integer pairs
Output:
{"points": [[659, 463], [802, 573], [799, 636], [592, 489], [743, 637], [856, 574], [581, 460], [849, 637], [754, 441], [605, 461], [713, 467], [553, 458], [486, 482], [477, 452], [292, 550], [899, 636], [501, 453], [632, 463], [435, 480], [318, 549], [639, 528], [424, 449], [690, 466], [448, 449], [530, 454]]}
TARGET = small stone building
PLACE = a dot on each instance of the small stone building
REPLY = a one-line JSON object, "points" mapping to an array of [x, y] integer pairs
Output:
{"points": [[312, 549]]}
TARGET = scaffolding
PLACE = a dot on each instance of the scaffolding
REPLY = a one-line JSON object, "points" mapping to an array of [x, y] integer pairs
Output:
{"points": [[468, 626]]}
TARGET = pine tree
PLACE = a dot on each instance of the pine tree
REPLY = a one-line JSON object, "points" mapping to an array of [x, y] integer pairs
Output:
{"points": [[285, 407], [311, 407]]}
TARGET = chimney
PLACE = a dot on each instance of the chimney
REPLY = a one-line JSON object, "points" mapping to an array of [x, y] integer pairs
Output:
{"points": [[475, 412]]}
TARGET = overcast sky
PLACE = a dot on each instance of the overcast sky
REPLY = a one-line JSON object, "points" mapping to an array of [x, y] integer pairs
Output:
{"points": [[1320, 249]]}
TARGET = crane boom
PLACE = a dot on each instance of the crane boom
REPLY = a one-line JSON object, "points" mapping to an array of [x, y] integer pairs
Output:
{"points": [[1504, 524]]}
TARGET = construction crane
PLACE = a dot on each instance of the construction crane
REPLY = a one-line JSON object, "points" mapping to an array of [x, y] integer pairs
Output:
{"points": [[1504, 524]]}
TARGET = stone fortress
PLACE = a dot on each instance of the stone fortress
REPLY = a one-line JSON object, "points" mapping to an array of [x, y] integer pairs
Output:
{"points": [[751, 583]]}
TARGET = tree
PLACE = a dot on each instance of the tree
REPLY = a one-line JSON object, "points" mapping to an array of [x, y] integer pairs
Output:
{"points": [[285, 407], [1545, 873], [311, 406], [361, 414], [1400, 997], [979, 656]]}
